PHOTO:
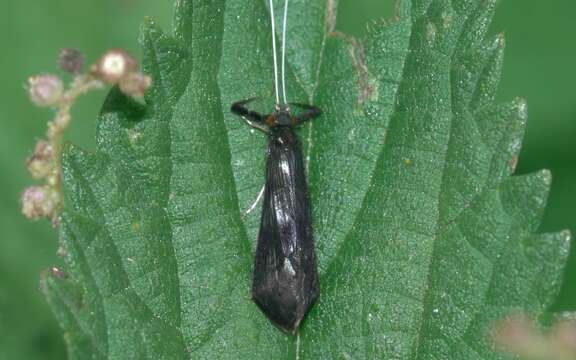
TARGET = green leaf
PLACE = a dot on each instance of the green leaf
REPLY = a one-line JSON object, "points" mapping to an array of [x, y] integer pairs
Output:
{"points": [[424, 238]]}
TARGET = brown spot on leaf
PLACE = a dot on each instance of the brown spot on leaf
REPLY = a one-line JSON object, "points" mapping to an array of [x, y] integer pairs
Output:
{"points": [[365, 87]]}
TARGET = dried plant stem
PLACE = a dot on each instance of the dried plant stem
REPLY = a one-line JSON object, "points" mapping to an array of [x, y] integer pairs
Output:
{"points": [[116, 67], [58, 126]]}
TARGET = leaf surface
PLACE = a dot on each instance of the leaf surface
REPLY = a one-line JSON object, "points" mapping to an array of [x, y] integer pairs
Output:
{"points": [[424, 236]]}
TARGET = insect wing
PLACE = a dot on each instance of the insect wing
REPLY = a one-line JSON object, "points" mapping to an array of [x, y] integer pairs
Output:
{"points": [[285, 282]]}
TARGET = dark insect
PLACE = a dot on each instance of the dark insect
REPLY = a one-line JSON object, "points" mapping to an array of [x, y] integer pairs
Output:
{"points": [[285, 281]]}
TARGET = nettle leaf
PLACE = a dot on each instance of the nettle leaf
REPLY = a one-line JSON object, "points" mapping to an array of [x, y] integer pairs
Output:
{"points": [[424, 238]]}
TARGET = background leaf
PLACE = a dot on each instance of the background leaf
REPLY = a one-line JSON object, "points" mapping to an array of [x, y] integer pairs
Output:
{"points": [[423, 237]]}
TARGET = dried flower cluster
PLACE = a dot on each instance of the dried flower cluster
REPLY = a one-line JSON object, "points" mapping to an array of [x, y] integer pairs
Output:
{"points": [[520, 336], [115, 67]]}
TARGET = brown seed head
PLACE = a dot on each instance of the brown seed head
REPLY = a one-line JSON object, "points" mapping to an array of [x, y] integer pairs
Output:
{"points": [[45, 90], [40, 163], [135, 84], [71, 61], [114, 66], [40, 202]]}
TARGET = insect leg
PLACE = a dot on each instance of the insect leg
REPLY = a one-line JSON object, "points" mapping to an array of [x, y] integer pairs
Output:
{"points": [[254, 204], [253, 118], [310, 112], [239, 108]]}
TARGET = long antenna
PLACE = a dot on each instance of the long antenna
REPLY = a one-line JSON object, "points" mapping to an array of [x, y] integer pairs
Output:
{"points": [[284, 51], [273, 21]]}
